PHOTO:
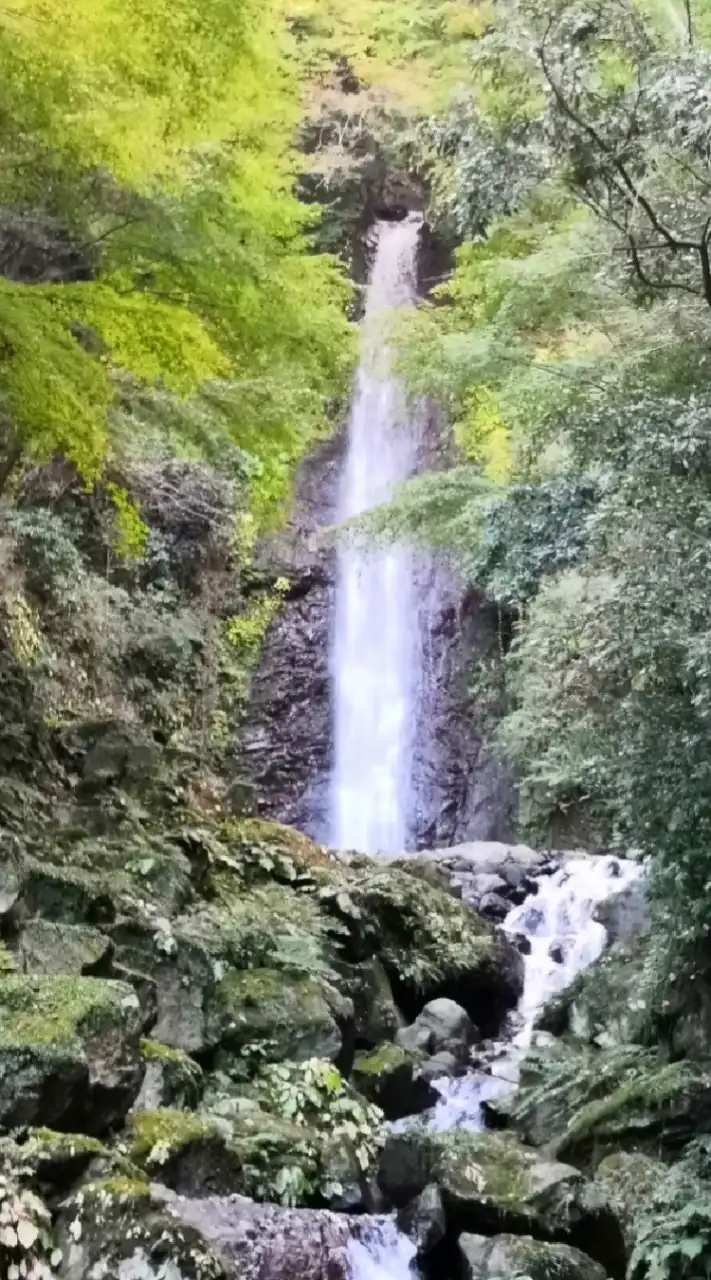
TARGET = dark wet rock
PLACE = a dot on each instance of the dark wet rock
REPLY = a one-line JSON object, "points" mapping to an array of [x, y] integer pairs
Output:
{"points": [[625, 913], [376, 1015], [424, 1220], [556, 953], [69, 1052], [490, 1183], [503, 1256], [493, 907], [522, 943], [388, 1077]]}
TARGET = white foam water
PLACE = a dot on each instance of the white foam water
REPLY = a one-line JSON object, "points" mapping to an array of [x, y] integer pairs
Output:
{"points": [[560, 915], [378, 645], [385, 1254]]}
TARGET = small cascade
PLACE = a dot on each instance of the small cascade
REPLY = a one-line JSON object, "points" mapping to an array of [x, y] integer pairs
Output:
{"points": [[559, 921], [377, 648], [383, 1254], [565, 938]]}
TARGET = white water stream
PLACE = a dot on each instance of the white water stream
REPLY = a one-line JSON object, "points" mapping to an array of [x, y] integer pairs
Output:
{"points": [[377, 647]]}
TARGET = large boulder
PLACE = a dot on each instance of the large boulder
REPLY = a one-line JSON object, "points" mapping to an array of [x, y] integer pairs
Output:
{"points": [[387, 1076], [442, 1027], [501, 1257], [490, 1183], [433, 945], [69, 1052], [624, 914], [278, 1014]]}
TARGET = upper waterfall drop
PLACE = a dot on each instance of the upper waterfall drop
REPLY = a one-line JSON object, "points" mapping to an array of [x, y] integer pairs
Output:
{"points": [[377, 644]]}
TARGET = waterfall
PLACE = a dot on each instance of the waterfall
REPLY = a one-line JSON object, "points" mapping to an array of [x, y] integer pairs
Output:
{"points": [[384, 1254], [377, 647]]}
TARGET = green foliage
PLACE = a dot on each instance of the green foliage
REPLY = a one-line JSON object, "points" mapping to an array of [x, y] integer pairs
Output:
{"points": [[147, 173], [313, 1095]]}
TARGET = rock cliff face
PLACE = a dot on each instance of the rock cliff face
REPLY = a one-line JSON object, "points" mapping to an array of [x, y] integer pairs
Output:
{"points": [[287, 738]]}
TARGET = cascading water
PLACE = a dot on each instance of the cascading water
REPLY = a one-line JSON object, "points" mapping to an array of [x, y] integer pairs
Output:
{"points": [[564, 939], [377, 649]]}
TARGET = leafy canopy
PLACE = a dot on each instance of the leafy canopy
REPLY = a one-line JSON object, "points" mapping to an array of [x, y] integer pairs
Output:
{"points": [[148, 148]]}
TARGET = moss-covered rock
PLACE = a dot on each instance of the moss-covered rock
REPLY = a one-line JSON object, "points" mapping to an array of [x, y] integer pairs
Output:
{"points": [[586, 1103], [276, 1014], [69, 1052], [506, 1257], [116, 1227], [433, 945], [250, 1152], [491, 1183], [172, 1079], [49, 947], [388, 1077]]}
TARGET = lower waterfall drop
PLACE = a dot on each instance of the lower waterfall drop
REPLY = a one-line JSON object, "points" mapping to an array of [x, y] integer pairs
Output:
{"points": [[377, 646]]}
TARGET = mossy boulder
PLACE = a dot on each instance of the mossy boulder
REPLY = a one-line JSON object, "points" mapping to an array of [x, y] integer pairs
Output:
{"points": [[505, 1256], [433, 945], [249, 1152], [116, 1227], [76, 876], [172, 1079], [49, 947], [491, 1183], [388, 1077], [69, 1052], [586, 1103], [280, 1015]]}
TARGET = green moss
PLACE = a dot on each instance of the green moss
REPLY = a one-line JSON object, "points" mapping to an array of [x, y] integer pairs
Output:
{"points": [[61, 1143], [117, 1188], [167, 1129], [156, 1051], [58, 1012], [386, 1058]]}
